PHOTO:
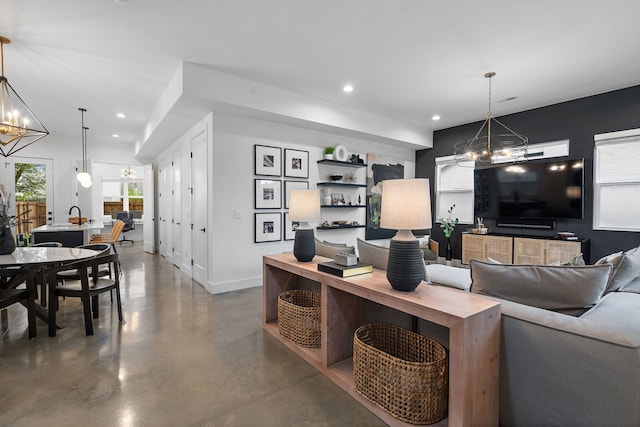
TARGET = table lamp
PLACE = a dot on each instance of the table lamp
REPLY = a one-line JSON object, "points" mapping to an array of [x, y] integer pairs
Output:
{"points": [[406, 206], [304, 206]]}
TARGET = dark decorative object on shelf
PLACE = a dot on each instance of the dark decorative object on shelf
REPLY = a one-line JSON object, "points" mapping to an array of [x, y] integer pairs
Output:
{"points": [[355, 158], [448, 256]]}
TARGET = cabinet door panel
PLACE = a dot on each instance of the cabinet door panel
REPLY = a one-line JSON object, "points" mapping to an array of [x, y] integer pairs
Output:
{"points": [[499, 248], [559, 251], [472, 248], [529, 251]]}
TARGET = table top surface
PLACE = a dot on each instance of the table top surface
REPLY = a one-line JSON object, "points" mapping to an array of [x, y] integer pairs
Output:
{"points": [[44, 255], [96, 225]]}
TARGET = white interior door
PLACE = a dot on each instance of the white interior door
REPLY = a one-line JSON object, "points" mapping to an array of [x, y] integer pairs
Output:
{"points": [[185, 197], [176, 210], [199, 207], [162, 209], [149, 211]]}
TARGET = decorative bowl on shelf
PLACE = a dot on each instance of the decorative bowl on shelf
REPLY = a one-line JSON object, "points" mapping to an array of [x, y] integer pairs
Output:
{"points": [[335, 177], [339, 222]]}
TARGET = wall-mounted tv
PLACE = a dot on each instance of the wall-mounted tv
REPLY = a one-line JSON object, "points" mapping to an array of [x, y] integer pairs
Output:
{"points": [[547, 189]]}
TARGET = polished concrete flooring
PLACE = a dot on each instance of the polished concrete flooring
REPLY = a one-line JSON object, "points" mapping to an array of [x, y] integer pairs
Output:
{"points": [[182, 357]]}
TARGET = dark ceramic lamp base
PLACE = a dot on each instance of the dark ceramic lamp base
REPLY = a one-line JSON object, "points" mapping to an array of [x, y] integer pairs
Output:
{"points": [[304, 245], [405, 268]]}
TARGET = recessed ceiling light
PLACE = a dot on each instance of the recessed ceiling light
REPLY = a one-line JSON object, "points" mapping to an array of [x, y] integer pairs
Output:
{"points": [[115, 135], [120, 115], [347, 88], [435, 117]]}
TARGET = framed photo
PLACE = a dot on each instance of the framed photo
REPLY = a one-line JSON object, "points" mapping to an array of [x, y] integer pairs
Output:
{"points": [[268, 160], [296, 163], [290, 185], [289, 227], [268, 227], [268, 193]]}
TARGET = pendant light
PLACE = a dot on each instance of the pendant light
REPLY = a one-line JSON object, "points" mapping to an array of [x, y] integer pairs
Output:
{"points": [[19, 127], [83, 177], [503, 147]]}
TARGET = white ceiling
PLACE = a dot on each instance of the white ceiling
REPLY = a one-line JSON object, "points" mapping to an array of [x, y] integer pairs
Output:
{"points": [[407, 59]]}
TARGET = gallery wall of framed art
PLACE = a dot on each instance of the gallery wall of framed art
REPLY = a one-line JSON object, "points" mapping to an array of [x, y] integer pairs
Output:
{"points": [[271, 193]]}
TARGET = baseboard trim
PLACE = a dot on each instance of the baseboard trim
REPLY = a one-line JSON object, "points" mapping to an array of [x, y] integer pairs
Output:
{"points": [[233, 285]]}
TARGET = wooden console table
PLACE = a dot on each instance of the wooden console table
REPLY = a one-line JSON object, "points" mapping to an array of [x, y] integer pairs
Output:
{"points": [[473, 323]]}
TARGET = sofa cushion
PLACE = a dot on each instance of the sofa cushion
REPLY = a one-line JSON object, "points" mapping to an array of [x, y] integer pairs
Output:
{"points": [[626, 267], [373, 254], [550, 287], [330, 250], [446, 275], [632, 286]]}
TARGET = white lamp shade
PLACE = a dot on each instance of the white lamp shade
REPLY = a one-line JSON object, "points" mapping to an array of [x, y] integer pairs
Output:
{"points": [[304, 205], [86, 184], [406, 204]]}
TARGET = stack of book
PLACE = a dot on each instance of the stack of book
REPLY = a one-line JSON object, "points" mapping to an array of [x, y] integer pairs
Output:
{"points": [[567, 235], [343, 270]]}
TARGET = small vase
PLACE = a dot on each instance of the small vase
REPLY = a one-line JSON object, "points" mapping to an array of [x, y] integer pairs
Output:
{"points": [[7, 242], [448, 258], [328, 156]]}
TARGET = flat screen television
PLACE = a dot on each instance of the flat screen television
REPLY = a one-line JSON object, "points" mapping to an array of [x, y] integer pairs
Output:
{"points": [[536, 190]]}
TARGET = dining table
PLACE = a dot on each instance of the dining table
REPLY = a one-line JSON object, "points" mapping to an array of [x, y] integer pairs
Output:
{"points": [[26, 264]]}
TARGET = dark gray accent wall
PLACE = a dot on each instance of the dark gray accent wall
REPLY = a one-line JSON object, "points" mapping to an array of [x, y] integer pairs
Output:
{"points": [[578, 120]]}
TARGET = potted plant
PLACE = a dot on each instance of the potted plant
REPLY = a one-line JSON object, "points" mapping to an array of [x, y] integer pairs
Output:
{"points": [[328, 153], [448, 226]]}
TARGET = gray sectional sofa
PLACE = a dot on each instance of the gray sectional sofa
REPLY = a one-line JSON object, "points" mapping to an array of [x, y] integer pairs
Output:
{"points": [[558, 369], [570, 342]]}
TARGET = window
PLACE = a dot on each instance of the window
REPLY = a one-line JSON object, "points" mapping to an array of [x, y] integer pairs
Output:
{"points": [[122, 195], [616, 176], [454, 186]]}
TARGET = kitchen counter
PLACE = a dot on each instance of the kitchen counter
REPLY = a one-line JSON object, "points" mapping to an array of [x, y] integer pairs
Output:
{"points": [[70, 235]]}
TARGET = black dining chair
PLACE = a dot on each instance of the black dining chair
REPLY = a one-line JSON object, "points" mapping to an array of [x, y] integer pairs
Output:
{"points": [[41, 279], [105, 269], [27, 296], [88, 288]]}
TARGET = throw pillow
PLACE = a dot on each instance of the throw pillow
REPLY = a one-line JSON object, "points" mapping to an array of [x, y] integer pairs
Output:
{"points": [[577, 260], [373, 254], [557, 288], [626, 267], [330, 250]]}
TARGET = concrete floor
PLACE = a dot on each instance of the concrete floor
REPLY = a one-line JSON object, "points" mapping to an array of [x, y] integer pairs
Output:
{"points": [[182, 357]]}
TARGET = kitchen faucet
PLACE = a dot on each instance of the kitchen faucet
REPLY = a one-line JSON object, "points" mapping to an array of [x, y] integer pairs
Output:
{"points": [[79, 214]]}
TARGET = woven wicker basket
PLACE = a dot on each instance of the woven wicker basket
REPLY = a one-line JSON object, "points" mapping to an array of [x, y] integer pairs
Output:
{"points": [[404, 373], [299, 317]]}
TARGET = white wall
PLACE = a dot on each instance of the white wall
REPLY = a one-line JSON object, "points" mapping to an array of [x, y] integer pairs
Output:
{"points": [[235, 261], [65, 152]]}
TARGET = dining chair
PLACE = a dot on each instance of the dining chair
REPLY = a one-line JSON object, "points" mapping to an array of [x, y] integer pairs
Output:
{"points": [[88, 288], [105, 269], [40, 279], [12, 296], [110, 238]]}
